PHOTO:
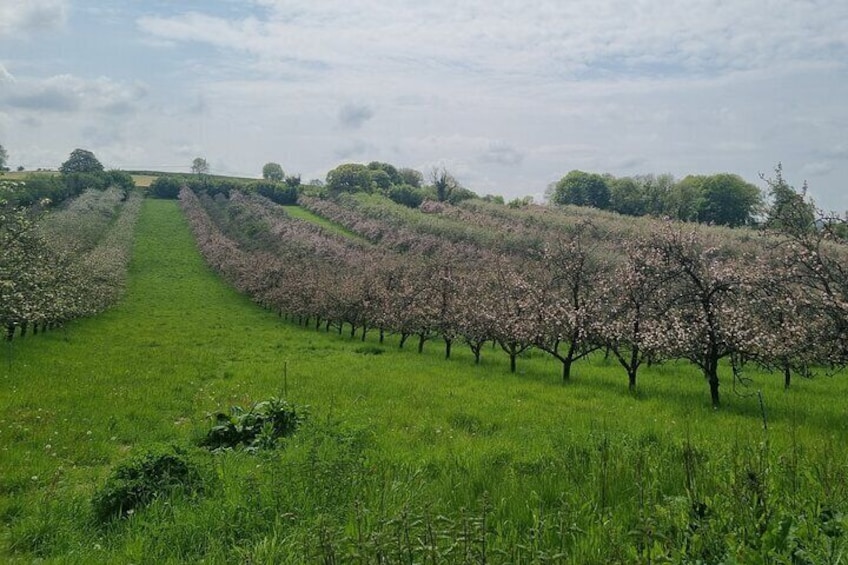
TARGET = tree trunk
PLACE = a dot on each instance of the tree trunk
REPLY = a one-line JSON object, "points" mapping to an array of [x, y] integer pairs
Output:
{"points": [[787, 376], [712, 378], [317, 323], [512, 357], [566, 369], [421, 340], [448, 343], [403, 338], [633, 367], [352, 331], [327, 327], [364, 331], [24, 329], [382, 335], [475, 347]]}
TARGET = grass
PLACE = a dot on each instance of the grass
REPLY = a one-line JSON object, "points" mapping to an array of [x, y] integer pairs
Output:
{"points": [[332, 227], [405, 456]]}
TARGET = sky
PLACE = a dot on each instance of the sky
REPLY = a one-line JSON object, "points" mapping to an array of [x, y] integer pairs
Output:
{"points": [[506, 95]]}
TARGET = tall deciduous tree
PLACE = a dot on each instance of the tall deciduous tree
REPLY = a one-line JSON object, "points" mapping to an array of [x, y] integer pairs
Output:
{"points": [[4, 157], [411, 177], [627, 197], [729, 201], [349, 177], [582, 189], [273, 171], [81, 161], [199, 166]]}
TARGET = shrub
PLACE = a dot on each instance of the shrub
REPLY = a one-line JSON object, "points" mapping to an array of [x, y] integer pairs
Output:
{"points": [[121, 179], [165, 187], [77, 183], [257, 428], [134, 484], [406, 195], [277, 192]]}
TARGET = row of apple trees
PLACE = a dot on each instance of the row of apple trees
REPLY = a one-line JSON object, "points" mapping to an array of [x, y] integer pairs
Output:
{"points": [[63, 262], [562, 282]]}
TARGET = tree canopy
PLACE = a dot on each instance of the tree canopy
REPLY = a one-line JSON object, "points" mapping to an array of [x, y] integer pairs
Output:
{"points": [[273, 171], [404, 186], [4, 157], [728, 200], [81, 161], [724, 198], [349, 177], [199, 166], [583, 189]]}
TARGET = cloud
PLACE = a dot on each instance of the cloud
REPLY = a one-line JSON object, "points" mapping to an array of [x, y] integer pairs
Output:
{"points": [[100, 136], [5, 76], [578, 40], [70, 94], [501, 153], [839, 151], [352, 116], [817, 168], [48, 98], [28, 17], [355, 149]]}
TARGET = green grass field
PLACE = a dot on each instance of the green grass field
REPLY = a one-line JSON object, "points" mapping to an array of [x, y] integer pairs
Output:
{"points": [[404, 457]]}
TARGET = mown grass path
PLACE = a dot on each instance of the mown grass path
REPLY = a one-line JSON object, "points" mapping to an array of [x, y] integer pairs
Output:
{"points": [[434, 435]]}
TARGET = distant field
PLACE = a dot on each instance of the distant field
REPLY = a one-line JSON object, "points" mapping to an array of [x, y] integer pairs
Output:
{"points": [[15, 175], [143, 181], [405, 457]]}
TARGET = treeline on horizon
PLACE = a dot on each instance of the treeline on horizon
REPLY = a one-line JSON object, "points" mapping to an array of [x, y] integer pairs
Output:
{"points": [[720, 199], [723, 199]]}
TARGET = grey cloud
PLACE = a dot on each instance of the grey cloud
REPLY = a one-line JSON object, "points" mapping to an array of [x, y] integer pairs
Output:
{"points": [[356, 148], [31, 122], [352, 116], [629, 163], [837, 152], [817, 168], [500, 153], [69, 94], [100, 136], [49, 99], [118, 108], [32, 16]]}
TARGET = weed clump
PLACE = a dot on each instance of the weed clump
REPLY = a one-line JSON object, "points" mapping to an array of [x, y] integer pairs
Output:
{"points": [[134, 484], [260, 427]]}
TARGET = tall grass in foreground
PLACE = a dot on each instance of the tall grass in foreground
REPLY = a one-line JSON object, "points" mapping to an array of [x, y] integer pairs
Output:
{"points": [[405, 458]]}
